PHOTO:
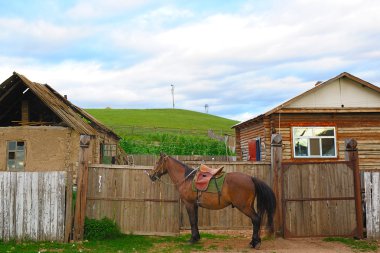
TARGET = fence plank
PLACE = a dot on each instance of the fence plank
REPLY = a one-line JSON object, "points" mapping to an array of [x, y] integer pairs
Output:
{"points": [[372, 202], [35, 207], [29, 207]]}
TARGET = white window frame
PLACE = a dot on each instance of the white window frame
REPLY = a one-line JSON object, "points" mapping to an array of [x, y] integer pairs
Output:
{"points": [[313, 137]]}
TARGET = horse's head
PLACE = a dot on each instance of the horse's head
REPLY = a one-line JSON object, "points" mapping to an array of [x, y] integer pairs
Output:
{"points": [[159, 169]]}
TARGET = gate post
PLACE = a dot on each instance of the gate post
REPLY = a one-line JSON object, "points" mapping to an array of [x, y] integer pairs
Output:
{"points": [[276, 163], [82, 182], [352, 156]]}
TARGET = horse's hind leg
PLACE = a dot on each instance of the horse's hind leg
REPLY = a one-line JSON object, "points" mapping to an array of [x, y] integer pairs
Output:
{"points": [[256, 222], [192, 211]]}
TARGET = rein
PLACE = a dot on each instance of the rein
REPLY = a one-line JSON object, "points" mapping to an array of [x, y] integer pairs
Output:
{"points": [[159, 179], [162, 169]]}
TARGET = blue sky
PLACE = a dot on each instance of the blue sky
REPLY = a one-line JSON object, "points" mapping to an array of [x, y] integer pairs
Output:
{"points": [[240, 57]]}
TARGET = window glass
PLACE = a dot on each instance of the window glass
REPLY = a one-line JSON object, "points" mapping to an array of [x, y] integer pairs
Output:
{"points": [[314, 142], [303, 131], [11, 145], [20, 145], [324, 131], [16, 155], [328, 147], [301, 147], [314, 147]]}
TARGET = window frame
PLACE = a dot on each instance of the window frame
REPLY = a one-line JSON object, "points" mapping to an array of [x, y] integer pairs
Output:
{"points": [[294, 138], [108, 153], [16, 151]]}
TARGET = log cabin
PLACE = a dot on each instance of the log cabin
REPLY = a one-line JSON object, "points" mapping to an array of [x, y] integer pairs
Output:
{"points": [[315, 124], [40, 129]]}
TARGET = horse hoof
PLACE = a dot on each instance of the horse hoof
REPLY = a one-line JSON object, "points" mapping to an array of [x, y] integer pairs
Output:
{"points": [[192, 241], [255, 245]]}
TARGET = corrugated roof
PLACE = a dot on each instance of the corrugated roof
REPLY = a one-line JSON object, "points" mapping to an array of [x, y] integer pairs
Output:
{"points": [[73, 116], [277, 108]]}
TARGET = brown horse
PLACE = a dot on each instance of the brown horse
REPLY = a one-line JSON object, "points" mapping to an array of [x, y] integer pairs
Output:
{"points": [[239, 190]]}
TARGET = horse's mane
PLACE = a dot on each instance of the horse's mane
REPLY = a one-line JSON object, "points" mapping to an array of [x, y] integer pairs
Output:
{"points": [[188, 169]]}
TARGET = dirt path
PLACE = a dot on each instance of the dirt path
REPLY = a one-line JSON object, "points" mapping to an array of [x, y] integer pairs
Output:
{"points": [[239, 243]]}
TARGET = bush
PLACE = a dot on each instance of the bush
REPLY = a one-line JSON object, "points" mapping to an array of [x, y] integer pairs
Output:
{"points": [[100, 229]]}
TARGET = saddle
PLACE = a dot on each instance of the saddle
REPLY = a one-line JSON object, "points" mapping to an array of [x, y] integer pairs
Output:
{"points": [[204, 176]]}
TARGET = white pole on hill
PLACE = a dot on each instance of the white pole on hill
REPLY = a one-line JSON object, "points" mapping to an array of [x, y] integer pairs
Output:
{"points": [[173, 94]]}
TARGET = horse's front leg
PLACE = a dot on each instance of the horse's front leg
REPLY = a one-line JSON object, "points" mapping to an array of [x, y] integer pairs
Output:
{"points": [[192, 211]]}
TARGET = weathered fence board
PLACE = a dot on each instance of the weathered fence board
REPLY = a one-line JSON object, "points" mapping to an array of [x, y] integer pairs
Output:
{"points": [[32, 205], [126, 195], [319, 200], [372, 203]]}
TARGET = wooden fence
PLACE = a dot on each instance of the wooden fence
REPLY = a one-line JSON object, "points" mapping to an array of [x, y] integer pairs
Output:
{"points": [[32, 206], [150, 160], [313, 199], [127, 195], [372, 203]]}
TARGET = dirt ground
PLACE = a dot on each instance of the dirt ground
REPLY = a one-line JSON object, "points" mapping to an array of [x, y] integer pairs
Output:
{"points": [[239, 243]]}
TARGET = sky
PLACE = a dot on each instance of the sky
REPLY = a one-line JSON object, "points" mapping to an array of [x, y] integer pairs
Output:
{"points": [[241, 58]]}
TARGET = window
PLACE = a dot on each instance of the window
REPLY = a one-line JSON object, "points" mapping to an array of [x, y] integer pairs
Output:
{"points": [[314, 142], [15, 155], [108, 153], [254, 150]]}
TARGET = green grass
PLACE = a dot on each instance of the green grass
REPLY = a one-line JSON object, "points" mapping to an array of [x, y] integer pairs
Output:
{"points": [[172, 131], [120, 244], [356, 245], [161, 118]]}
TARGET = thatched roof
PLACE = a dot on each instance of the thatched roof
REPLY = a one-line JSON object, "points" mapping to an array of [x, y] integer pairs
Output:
{"points": [[71, 115]]}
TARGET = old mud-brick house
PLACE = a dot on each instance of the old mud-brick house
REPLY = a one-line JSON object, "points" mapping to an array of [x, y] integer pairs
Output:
{"points": [[40, 129], [315, 124]]}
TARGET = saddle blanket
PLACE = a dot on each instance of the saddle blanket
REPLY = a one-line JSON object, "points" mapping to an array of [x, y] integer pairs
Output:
{"points": [[212, 187]]}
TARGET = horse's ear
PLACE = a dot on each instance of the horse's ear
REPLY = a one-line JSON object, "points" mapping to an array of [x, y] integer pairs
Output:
{"points": [[162, 154]]}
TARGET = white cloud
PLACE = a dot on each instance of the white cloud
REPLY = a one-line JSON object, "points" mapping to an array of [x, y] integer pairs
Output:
{"points": [[93, 9], [241, 63]]}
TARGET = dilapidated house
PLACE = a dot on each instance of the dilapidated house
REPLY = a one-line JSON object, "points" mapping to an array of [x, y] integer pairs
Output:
{"points": [[40, 129]]}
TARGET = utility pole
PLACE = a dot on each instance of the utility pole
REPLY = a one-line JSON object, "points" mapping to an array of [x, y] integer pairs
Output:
{"points": [[206, 108], [173, 94]]}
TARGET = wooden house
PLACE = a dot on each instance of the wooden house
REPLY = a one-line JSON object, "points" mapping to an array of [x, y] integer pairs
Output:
{"points": [[315, 124], [40, 129]]}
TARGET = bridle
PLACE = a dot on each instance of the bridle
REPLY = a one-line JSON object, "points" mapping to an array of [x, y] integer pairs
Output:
{"points": [[161, 170]]}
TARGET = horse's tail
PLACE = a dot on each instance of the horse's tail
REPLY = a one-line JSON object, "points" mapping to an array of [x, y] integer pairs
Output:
{"points": [[266, 200]]}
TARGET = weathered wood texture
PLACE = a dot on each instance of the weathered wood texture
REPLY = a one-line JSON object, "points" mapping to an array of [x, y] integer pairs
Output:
{"points": [[227, 218], [127, 195], [32, 206], [150, 160], [319, 200], [372, 204], [363, 127]]}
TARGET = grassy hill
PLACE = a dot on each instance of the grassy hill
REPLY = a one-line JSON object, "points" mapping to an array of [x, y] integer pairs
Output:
{"points": [[173, 131], [162, 118]]}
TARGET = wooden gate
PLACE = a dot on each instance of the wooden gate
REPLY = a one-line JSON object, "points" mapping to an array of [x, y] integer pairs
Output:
{"points": [[127, 195], [32, 206], [319, 199]]}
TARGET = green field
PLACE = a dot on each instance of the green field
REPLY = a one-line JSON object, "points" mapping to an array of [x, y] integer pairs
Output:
{"points": [[162, 118], [173, 131]]}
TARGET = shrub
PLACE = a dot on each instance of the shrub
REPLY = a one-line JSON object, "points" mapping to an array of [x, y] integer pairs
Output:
{"points": [[100, 229], [172, 144]]}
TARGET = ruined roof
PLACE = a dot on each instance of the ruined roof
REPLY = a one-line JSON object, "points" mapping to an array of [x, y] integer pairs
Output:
{"points": [[319, 85], [71, 115]]}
